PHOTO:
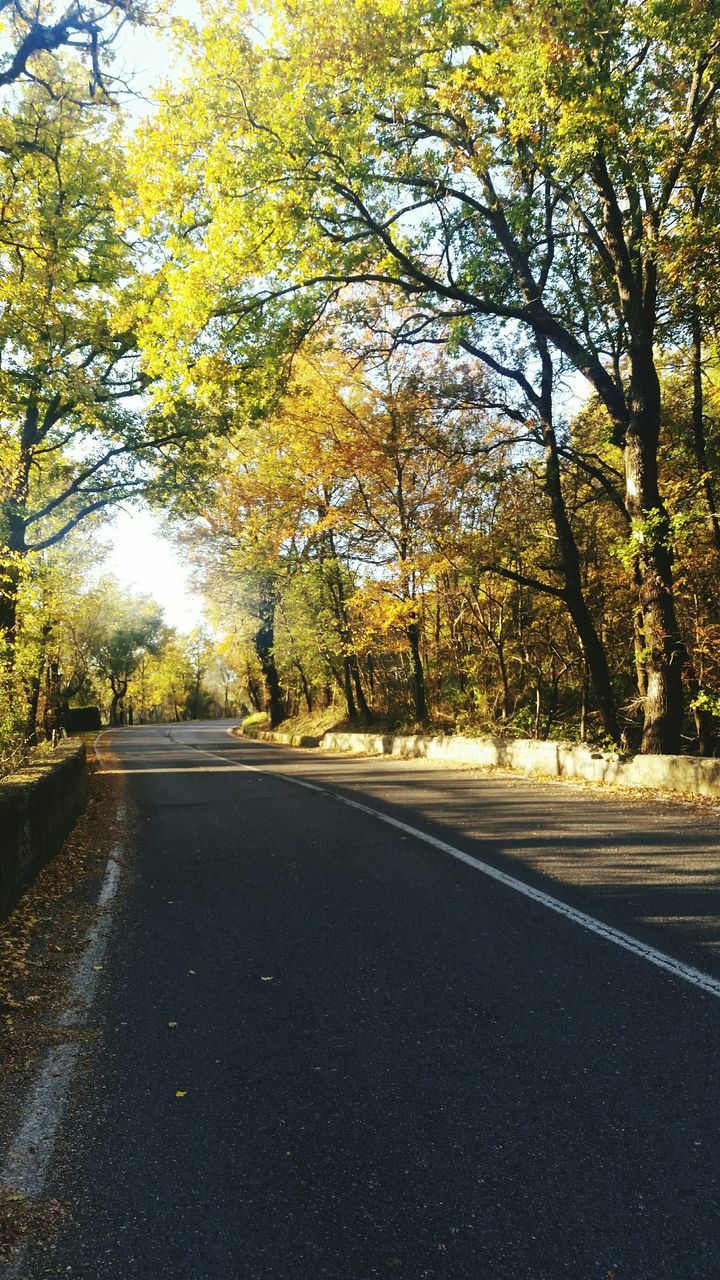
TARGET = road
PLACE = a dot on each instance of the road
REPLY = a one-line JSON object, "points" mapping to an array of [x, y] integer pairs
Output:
{"points": [[322, 1047]]}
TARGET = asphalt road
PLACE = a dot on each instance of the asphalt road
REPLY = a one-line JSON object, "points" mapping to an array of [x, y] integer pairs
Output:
{"points": [[392, 1065]]}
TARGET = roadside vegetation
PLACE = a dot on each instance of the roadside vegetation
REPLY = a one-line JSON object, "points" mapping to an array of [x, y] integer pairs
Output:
{"points": [[405, 316]]}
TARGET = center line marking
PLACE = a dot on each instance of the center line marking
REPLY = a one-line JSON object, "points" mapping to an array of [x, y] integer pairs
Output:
{"points": [[661, 960]]}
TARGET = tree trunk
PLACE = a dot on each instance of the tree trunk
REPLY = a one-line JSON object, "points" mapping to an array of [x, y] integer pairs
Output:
{"points": [[664, 651], [307, 691], [13, 513], [574, 595], [119, 689], [12, 554], [538, 705], [351, 667], [370, 666], [698, 425], [412, 632], [9, 583], [365, 711], [348, 690], [34, 687], [255, 692], [265, 650], [498, 643], [554, 698], [585, 699]]}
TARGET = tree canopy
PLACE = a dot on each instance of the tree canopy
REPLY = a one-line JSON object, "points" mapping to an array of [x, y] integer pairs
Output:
{"points": [[407, 313]]}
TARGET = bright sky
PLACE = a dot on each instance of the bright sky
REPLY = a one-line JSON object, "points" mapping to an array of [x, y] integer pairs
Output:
{"points": [[144, 56], [141, 556]]}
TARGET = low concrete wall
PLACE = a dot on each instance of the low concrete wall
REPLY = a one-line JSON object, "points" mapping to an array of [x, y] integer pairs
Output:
{"points": [[38, 807], [285, 739], [553, 759]]}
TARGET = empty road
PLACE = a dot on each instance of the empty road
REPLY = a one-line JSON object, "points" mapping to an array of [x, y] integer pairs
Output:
{"points": [[323, 1047]]}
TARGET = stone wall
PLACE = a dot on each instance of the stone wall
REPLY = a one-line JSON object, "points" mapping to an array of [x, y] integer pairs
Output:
{"points": [[38, 807]]}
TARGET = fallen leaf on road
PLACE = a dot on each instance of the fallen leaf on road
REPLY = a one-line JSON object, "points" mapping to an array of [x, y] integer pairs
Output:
{"points": [[265, 979], [181, 1093], [97, 967], [172, 1024]]}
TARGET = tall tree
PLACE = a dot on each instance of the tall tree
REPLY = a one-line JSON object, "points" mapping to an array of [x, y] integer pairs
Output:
{"points": [[509, 168], [127, 629], [74, 439]]}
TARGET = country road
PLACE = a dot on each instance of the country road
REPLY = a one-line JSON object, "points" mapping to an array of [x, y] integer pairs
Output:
{"points": [[321, 1046]]}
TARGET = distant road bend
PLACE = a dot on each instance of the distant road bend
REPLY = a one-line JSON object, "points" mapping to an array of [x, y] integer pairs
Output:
{"points": [[328, 1048]]}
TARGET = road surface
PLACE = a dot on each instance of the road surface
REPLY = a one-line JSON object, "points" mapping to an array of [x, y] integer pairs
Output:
{"points": [[321, 1047]]}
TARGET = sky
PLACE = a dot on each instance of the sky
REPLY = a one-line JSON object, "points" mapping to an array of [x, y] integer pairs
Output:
{"points": [[145, 56], [141, 557]]}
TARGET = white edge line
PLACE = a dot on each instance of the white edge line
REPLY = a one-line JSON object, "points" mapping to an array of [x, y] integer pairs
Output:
{"points": [[661, 960], [26, 1164], [89, 966], [95, 743]]}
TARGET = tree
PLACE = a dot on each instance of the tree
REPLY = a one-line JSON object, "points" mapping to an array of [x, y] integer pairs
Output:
{"points": [[126, 629], [402, 437], [161, 685], [199, 651], [510, 170], [86, 28], [76, 439]]}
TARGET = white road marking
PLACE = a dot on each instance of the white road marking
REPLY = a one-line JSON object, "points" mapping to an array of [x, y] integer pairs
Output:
{"points": [[27, 1162], [89, 966], [111, 881], [661, 960], [95, 743], [26, 1165]]}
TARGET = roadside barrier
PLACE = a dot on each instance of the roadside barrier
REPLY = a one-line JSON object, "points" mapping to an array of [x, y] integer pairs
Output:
{"points": [[39, 805], [688, 775]]}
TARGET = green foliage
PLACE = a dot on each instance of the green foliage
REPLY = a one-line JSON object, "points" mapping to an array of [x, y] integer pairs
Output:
{"points": [[324, 313], [14, 735], [450, 153], [66, 361], [707, 700]]}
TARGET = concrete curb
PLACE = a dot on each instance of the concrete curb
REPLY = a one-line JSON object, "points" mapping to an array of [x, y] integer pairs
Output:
{"points": [[39, 805], [687, 775], [284, 739]]}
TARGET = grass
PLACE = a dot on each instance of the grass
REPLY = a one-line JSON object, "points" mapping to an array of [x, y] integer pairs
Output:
{"points": [[314, 723], [334, 719], [256, 721]]}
